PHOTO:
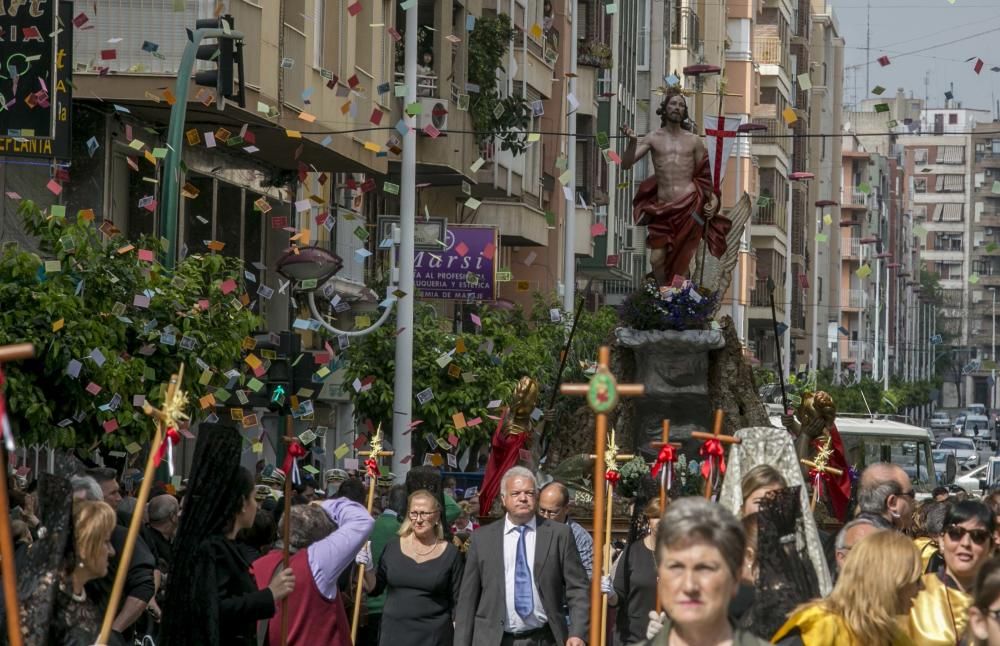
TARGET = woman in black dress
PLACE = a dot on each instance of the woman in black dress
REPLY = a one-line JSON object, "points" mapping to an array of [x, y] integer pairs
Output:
{"points": [[421, 574], [212, 599], [632, 589]]}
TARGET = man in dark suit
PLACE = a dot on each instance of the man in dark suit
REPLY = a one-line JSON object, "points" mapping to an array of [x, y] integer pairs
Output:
{"points": [[521, 576]]}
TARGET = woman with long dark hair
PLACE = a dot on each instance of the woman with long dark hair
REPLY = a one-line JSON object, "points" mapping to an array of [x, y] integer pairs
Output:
{"points": [[212, 599]]}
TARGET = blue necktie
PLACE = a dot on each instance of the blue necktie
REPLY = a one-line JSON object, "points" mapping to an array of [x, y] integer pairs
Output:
{"points": [[524, 600]]}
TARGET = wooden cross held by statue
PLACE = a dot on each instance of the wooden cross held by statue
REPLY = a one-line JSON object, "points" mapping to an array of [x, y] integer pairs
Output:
{"points": [[372, 469], [712, 450], [168, 417], [611, 477], [9, 353], [820, 467], [602, 396]]}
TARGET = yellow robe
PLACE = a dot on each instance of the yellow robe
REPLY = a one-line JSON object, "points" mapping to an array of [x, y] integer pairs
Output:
{"points": [[939, 614], [928, 550], [818, 627]]}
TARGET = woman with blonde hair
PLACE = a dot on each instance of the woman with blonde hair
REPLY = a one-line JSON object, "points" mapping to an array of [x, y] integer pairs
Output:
{"points": [[75, 619], [420, 573], [877, 584]]}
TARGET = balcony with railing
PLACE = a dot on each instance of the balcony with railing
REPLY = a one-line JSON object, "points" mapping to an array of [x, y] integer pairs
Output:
{"points": [[853, 299], [760, 295], [850, 248], [427, 84], [684, 28], [769, 50], [776, 134], [773, 214], [851, 197], [851, 351]]}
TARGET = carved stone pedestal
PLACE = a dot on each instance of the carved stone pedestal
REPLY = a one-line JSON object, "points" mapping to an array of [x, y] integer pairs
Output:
{"points": [[674, 367]]}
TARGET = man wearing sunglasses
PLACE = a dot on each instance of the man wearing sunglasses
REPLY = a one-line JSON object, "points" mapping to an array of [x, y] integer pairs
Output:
{"points": [[885, 491]]}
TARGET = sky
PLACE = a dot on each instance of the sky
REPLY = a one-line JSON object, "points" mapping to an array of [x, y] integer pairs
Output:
{"points": [[899, 27]]}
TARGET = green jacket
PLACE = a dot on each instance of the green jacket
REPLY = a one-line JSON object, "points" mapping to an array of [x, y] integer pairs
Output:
{"points": [[386, 528], [740, 638]]}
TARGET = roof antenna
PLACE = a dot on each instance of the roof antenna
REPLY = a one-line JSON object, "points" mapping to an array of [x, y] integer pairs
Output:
{"points": [[865, 399]]}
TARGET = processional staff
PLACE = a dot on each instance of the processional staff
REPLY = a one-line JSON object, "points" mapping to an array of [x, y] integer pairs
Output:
{"points": [[602, 395], [372, 469], [712, 450]]}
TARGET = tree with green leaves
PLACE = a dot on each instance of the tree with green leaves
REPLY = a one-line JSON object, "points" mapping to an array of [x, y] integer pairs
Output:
{"points": [[109, 326], [464, 373]]}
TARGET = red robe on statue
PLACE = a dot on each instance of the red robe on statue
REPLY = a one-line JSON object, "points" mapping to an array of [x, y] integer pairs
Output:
{"points": [[837, 487], [505, 449], [673, 226]]}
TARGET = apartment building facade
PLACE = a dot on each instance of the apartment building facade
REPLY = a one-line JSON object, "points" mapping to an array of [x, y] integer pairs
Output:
{"points": [[939, 185]]}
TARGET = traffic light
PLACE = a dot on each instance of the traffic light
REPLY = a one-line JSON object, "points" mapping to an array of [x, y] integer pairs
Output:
{"points": [[226, 53]]}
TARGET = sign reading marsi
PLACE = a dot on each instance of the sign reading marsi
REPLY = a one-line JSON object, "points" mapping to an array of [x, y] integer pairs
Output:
{"points": [[462, 267], [35, 88]]}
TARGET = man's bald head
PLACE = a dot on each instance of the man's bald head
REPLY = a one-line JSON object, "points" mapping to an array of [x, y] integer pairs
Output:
{"points": [[885, 490], [553, 502]]}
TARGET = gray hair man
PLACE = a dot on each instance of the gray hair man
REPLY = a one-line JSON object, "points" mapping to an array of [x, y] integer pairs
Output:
{"points": [[885, 490], [522, 599], [852, 533], [554, 504]]}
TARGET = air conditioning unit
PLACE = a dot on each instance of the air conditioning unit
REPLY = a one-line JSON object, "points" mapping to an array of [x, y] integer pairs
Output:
{"points": [[433, 112]]}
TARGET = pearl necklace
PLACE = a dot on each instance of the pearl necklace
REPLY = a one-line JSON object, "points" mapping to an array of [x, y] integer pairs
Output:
{"points": [[415, 542]]}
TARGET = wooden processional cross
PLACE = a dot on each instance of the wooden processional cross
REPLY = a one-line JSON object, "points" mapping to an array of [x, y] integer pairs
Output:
{"points": [[602, 393], [663, 472], [168, 418], [372, 469], [713, 451], [9, 353], [611, 459]]}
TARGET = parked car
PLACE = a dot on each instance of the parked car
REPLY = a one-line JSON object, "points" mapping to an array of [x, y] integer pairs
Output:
{"points": [[945, 466], [940, 421], [978, 428], [956, 426], [964, 449], [971, 480], [976, 409]]}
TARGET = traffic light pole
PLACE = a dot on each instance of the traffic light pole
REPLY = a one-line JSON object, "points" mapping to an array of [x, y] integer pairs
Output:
{"points": [[175, 141]]}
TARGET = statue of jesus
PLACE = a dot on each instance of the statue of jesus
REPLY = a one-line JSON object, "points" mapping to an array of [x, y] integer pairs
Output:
{"points": [[678, 202]]}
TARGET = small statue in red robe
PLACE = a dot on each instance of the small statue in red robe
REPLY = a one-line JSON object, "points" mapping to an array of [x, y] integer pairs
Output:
{"points": [[678, 203], [817, 420], [512, 435]]}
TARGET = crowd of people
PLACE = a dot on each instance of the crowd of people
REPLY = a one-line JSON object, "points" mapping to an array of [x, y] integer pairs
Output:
{"points": [[209, 567]]}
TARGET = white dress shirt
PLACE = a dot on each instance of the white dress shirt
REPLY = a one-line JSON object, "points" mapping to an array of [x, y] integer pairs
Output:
{"points": [[514, 623]]}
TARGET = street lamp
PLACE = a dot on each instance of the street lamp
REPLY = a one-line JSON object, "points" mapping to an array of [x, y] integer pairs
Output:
{"points": [[312, 266]]}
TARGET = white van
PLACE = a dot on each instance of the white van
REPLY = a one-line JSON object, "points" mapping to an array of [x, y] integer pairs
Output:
{"points": [[870, 440]]}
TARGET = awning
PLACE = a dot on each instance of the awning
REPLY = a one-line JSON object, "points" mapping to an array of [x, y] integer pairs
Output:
{"points": [[950, 183], [948, 212], [951, 154]]}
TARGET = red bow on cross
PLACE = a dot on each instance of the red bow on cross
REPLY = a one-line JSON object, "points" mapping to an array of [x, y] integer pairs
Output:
{"points": [[371, 465], [612, 477], [173, 437], [295, 451], [667, 454], [712, 449]]}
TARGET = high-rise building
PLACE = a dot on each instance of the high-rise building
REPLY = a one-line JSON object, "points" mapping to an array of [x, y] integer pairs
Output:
{"points": [[938, 177]]}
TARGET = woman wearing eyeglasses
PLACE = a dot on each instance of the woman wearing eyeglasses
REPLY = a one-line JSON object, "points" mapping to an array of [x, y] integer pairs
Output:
{"points": [[420, 574], [940, 612]]}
